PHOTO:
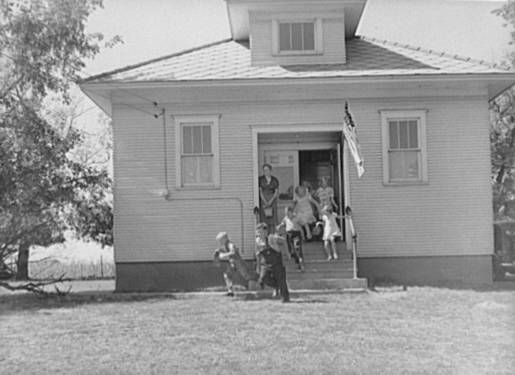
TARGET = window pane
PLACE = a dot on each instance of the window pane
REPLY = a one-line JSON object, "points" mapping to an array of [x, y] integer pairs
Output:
{"points": [[413, 134], [206, 139], [197, 139], [394, 136], [309, 36], [403, 134], [284, 37], [412, 166], [189, 169], [396, 163], [205, 169], [404, 165], [296, 36], [187, 141]]}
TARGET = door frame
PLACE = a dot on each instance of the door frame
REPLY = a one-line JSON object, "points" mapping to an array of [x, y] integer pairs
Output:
{"points": [[299, 128]]}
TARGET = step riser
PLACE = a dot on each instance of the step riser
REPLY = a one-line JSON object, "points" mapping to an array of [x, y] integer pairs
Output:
{"points": [[320, 267], [329, 284], [307, 276], [318, 258], [320, 274]]}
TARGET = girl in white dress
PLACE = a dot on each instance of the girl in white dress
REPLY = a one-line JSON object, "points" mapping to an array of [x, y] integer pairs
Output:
{"points": [[303, 209], [331, 231]]}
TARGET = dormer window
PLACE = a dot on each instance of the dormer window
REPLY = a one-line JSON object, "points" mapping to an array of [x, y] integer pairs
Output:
{"points": [[297, 37]]}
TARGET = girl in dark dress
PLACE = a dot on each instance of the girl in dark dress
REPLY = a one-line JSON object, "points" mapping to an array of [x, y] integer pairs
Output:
{"points": [[268, 193]]}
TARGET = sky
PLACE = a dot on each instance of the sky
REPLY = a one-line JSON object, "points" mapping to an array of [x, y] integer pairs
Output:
{"points": [[467, 28], [154, 28], [149, 29]]}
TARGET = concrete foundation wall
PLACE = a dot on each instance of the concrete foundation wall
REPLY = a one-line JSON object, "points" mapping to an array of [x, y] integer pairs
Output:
{"points": [[475, 269], [168, 276], [188, 276]]}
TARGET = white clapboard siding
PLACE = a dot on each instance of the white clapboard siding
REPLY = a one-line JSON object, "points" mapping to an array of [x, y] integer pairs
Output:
{"points": [[150, 228], [451, 215], [333, 44]]}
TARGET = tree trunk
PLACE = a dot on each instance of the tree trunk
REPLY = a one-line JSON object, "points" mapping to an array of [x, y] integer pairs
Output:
{"points": [[23, 262]]}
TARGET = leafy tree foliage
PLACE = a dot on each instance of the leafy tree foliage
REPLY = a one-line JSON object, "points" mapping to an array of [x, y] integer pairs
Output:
{"points": [[44, 190], [502, 138], [507, 11]]}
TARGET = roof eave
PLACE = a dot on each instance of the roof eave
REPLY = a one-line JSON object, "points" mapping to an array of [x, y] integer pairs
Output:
{"points": [[500, 79], [103, 102]]}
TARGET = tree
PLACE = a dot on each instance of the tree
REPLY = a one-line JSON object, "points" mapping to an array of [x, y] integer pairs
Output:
{"points": [[502, 134], [507, 11], [44, 191], [502, 140]]}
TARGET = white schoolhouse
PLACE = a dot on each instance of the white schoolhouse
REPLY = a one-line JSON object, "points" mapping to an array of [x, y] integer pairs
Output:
{"points": [[191, 131]]}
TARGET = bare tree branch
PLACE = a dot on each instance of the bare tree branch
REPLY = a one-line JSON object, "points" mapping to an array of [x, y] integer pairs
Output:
{"points": [[38, 287]]}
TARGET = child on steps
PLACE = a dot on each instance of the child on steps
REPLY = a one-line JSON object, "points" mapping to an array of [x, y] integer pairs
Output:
{"points": [[290, 224], [331, 231]]}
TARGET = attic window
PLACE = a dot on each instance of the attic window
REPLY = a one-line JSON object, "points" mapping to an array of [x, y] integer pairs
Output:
{"points": [[297, 37]]}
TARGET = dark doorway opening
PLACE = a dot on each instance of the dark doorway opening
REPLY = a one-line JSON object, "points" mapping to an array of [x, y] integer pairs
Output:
{"points": [[315, 164]]}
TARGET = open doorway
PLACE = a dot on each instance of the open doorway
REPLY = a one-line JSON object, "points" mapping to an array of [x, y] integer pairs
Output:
{"points": [[317, 164], [305, 161]]}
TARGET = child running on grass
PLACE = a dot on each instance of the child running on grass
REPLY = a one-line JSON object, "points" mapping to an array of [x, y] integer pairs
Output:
{"points": [[270, 260], [293, 229], [235, 264], [331, 231]]}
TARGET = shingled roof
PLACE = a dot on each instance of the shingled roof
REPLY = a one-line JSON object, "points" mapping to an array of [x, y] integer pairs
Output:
{"points": [[231, 60]]}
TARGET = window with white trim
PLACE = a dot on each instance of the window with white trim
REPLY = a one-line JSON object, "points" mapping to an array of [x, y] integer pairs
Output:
{"points": [[292, 37], [404, 147], [197, 151]]}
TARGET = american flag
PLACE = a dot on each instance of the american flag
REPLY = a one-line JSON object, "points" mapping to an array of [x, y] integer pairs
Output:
{"points": [[349, 131]]}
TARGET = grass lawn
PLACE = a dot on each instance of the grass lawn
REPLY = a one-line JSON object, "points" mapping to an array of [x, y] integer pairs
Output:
{"points": [[421, 330]]}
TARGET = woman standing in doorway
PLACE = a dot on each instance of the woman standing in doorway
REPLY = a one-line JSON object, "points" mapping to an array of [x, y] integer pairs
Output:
{"points": [[268, 193]]}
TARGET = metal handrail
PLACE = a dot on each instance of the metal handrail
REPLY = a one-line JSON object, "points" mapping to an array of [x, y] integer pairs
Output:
{"points": [[348, 218]]}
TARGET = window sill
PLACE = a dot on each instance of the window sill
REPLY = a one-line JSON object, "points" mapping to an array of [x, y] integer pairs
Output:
{"points": [[298, 53], [405, 183], [198, 187]]}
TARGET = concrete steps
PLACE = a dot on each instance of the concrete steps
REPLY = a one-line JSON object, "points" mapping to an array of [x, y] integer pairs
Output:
{"points": [[320, 265], [320, 274], [328, 284], [315, 251]]}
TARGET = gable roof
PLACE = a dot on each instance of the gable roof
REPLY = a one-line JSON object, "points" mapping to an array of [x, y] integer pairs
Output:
{"points": [[231, 60]]}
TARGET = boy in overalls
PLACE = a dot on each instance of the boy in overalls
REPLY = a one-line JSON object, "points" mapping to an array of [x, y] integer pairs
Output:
{"points": [[235, 264], [270, 260]]}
